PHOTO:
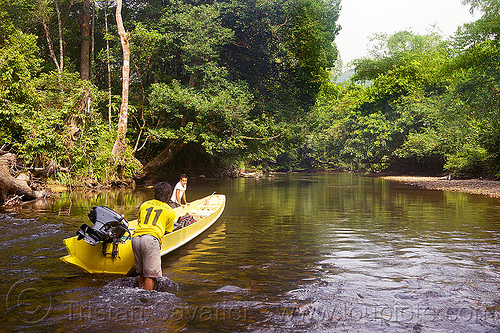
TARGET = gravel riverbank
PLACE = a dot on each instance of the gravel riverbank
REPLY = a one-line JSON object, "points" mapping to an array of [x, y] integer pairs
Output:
{"points": [[474, 186]]}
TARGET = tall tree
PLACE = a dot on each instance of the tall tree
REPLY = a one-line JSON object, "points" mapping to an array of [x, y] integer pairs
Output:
{"points": [[120, 145], [43, 14], [108, 63], [85, 43]]}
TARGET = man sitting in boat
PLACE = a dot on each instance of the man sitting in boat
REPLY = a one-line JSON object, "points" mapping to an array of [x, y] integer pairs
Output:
{"points": [[179, 192], [155, 217]]}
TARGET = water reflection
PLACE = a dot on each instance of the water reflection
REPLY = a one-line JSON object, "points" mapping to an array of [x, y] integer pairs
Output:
{"points": [[316, 253]]}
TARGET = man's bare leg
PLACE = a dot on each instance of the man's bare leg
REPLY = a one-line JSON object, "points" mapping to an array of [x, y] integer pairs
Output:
{"points": [[141, 282], [149, 283]]}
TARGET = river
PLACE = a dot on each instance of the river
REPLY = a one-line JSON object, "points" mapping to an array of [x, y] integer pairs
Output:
{"points": [[291, 253]]}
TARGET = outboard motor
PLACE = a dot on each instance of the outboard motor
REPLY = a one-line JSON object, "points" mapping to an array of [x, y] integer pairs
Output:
{"points": [[109, 227]]}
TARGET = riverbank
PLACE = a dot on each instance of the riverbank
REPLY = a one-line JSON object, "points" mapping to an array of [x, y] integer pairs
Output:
{"points": [[473, 186]]}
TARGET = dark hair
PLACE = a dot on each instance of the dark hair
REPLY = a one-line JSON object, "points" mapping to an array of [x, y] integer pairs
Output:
{"points": [[183, 176], [163, 191]]}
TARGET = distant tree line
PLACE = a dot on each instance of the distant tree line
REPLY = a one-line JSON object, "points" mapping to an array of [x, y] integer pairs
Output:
{"points": [[418, 103]]}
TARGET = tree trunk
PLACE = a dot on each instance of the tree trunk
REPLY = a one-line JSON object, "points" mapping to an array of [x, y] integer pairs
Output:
{"points": [[51, 47], [11, 185], [120, 147], [108, 65], [61, 49], [85, 44], [163, 158], [42, 15], [92, 47]]}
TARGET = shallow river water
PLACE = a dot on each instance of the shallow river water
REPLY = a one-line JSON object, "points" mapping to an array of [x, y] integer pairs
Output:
{"points": [[292, 253]]}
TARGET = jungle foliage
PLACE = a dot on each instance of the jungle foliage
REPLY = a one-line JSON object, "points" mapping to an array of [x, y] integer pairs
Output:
{"points": [[417, 104], [229, 81]]}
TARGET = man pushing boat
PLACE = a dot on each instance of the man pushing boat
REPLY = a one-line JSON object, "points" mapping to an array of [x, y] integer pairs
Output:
{"points": [[110, 230], [155, 217]]}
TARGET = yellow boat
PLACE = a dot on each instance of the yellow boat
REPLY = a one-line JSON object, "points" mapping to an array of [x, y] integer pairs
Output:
{"points": [[118, 258]]}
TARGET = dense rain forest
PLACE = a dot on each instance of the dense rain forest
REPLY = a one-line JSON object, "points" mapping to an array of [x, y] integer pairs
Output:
{"points": [[112, 92]]}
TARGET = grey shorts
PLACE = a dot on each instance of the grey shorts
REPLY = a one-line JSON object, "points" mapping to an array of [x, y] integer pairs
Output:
{"points": [[147, 256]]}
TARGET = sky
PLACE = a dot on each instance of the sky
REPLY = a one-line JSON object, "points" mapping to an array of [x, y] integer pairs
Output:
{"points": [[360, 19]]}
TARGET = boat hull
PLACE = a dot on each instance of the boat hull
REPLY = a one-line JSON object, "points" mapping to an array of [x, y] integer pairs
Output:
{"points": [[92, 260]]}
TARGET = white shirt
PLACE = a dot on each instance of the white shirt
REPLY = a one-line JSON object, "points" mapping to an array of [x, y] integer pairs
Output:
{"points": [[181, 188]]}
